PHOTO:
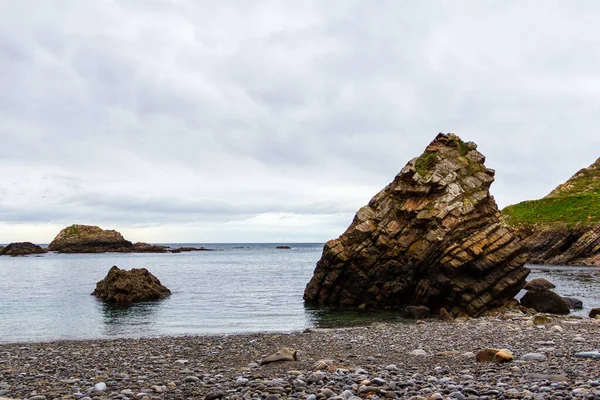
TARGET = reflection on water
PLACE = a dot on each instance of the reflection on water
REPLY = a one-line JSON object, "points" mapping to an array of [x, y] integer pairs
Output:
{"points": [[323, 317], [120, 320], [255, 288]]}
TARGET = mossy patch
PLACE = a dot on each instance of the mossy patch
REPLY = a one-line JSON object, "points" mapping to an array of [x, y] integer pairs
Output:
{"points": [[463, 148], [72, 230], [425, 163]]}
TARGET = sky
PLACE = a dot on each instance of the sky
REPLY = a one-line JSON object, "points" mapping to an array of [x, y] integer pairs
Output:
{"points": [[274, 121]]}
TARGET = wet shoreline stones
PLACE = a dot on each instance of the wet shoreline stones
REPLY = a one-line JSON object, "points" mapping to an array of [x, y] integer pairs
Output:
{"points": [[361, 362]]}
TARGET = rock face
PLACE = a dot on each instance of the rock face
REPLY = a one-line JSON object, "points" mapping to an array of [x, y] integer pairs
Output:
{"points": [[89, 239], [433, 237], [562, 228], [125, 287], [21, 249]]}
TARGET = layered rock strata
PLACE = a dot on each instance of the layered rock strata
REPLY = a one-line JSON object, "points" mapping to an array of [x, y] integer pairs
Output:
{"points": [[433, 237], [562, 228], [126, 287]]}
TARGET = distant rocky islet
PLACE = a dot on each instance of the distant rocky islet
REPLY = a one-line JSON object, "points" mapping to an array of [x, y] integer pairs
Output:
{"points": [[91, 239]]}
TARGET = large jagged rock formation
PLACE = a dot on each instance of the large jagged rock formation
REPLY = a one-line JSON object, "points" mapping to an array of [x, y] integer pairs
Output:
{"points": [[89, 239], [562, 228], [22, 249], [125, 287], [432, 237]]}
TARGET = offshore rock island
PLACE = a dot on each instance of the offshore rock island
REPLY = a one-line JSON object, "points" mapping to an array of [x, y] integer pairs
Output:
{"points": [[89, 239], [93, 239], [433, 237], [562, 228]]}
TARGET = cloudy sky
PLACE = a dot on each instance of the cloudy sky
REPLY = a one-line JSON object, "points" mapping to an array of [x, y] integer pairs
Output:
{"points": [[233, 121]]}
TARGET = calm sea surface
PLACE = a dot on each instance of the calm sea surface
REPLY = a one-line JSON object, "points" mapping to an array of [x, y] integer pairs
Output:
{"points": [[238, 288]]}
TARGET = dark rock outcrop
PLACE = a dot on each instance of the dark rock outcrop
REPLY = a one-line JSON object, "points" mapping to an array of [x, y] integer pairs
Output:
{"points": [[89, 239], [573, 303], [22, 249], [125, 287], [594, 312], [283, 247], [188, 249], [562, 228], [416, 312], [539, 284], [432, 237], [141, 247], [545, 301]]}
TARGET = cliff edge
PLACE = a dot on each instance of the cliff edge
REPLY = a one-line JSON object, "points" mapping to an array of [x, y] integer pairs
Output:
{"points": [[562, 228]]}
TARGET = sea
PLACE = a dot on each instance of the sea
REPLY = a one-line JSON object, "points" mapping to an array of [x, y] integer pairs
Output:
{"points": [[237, 288]]}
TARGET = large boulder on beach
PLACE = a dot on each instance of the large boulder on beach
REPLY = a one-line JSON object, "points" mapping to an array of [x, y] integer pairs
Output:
{"points": [[89, 239], [545, 301], [125, 287], [433, 237], [22, 249]]}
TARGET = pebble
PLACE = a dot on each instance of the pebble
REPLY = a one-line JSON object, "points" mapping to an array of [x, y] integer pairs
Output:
{"points": [[588, 354], [99, 387], [378, 365], [534, 357]]}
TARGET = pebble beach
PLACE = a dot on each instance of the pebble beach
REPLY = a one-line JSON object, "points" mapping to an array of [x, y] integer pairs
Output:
{"points": [[430, 359]]}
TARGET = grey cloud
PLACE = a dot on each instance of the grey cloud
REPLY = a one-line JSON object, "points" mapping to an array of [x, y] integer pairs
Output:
{"points": [[164, 112]]}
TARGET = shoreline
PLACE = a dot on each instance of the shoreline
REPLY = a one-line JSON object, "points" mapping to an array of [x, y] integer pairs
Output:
{"points": [[365, 361]]}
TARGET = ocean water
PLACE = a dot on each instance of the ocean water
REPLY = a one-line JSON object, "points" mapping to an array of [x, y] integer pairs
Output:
{"points": [[236, 288]]}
